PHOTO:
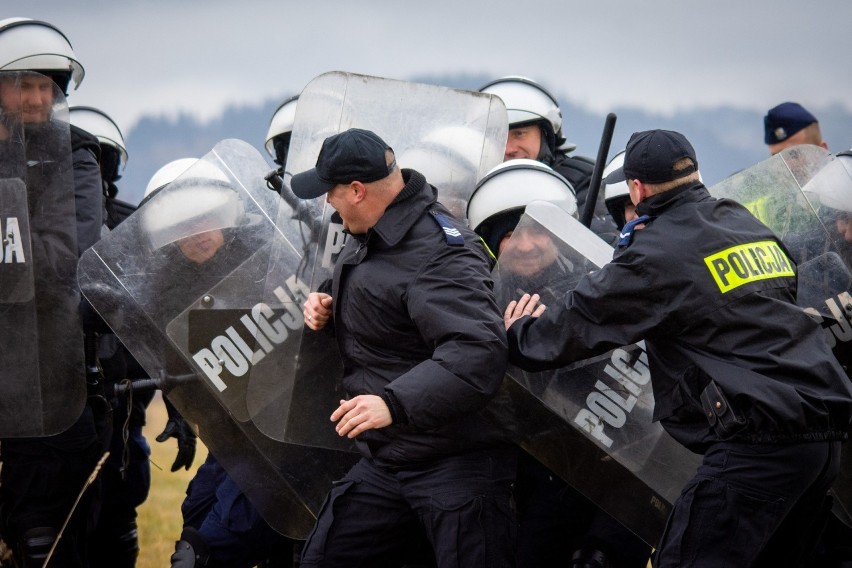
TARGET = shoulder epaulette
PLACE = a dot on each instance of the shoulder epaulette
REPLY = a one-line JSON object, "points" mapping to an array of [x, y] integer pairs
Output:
{"points": [[451, 233]]}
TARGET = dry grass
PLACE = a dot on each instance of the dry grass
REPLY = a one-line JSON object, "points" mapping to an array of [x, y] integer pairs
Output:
{"points": [[159, 517]]}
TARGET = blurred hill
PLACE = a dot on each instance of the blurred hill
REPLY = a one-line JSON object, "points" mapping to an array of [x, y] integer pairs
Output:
{"points": [[726, 140]]}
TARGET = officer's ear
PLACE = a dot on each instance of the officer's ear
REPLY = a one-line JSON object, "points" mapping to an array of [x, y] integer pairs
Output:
{"points": [[357, 192], [638, 191]]}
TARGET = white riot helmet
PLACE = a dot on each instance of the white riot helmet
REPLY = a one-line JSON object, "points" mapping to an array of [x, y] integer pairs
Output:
{"points": [[186, 197], [99, 124], [831, 187], [167, 174], [281, 126], [502, 195], [616, 194], [33, 45], [527, 102]]}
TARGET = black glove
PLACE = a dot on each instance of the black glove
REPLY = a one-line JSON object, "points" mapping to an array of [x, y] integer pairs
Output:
{"points": [[191, 551], [177, 427]]}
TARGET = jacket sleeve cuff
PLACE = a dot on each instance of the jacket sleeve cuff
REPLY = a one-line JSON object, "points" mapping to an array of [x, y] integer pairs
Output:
{"points": [[396, 411]]}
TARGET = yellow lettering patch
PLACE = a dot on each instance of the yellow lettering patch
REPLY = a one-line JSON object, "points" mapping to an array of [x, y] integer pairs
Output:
{"points": [[735, 266]]}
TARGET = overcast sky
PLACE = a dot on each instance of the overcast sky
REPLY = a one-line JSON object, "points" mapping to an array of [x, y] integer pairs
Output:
{"points": [[167, 56]]}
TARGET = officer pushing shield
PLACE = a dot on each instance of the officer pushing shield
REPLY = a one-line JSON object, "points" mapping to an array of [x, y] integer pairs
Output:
{"points": [[450, 135], [740, 373]]}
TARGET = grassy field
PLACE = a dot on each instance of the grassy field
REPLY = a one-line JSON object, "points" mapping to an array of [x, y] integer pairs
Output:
{"points": [[159, 517]]}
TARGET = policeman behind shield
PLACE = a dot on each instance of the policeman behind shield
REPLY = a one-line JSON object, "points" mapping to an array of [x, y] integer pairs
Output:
{"points": [[423, 351], [740, 373], [126, 474], [555, 522], [42, 477], [221, 525]]}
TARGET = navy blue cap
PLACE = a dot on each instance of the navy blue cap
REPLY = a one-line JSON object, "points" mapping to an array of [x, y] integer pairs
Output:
{"points": [[352, 155], [650, 157], [783, 121]]}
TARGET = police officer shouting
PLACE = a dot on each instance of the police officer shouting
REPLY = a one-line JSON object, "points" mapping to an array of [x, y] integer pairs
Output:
{"points": [[740, 373], [422, 347]]}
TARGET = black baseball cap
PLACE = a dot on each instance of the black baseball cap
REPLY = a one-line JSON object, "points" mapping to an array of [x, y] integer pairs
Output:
{"points": [[784, 120], [352, 155], [650, 157]]}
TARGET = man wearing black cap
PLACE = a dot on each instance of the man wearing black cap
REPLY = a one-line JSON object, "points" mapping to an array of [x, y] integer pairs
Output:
{"points": [[423, 350], [740, 373], [789, 124]]}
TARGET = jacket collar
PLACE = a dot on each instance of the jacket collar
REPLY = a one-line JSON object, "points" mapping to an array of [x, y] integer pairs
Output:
{"points": [[657, 204], [408, 206]]}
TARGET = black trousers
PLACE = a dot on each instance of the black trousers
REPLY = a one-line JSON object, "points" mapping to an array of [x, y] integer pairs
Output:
{"points": [[460, 506], [751, 505], [39, 482]]}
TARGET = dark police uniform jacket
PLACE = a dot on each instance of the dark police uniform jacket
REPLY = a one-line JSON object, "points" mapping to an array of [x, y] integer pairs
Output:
{"points": [[712, 292], [416, 322]]}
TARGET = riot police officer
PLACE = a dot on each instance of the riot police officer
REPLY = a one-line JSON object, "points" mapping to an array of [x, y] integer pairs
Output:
{"points": [[42, 477], [556, 523], [536, 133], [740, 373], [220, 523], [126, 473]]}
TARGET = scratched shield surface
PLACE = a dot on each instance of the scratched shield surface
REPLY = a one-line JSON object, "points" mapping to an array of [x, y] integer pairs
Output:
{"points": [[180, 282], [42, 391], [590, 422], [452, 136]]}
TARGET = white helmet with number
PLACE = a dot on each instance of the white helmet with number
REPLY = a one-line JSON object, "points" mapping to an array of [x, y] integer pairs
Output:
{"points": [[33, 45], [281, 123], [508, 188], [99, 124]]}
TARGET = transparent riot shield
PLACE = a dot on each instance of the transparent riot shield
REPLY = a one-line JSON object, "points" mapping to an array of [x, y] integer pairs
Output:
{"points": [[41, 356], [805, 195], [17, 283], [180, 283], [451, 136], [591, 422]]}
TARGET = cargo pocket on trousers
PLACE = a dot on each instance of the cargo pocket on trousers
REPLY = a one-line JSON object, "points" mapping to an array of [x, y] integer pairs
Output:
{"points": [[476, 530], [314, 548]]}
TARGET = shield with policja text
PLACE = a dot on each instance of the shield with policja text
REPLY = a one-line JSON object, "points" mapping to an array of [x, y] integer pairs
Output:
{"points": [[590, 422], [181, 282]]}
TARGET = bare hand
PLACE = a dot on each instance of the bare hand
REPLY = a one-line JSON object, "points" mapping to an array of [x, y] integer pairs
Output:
{"points": [[362, 413], [526, 306], [317, 310]]}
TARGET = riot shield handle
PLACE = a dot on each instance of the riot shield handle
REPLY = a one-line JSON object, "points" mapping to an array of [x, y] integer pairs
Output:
{"points": [[163, 381], [597, 171]]}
